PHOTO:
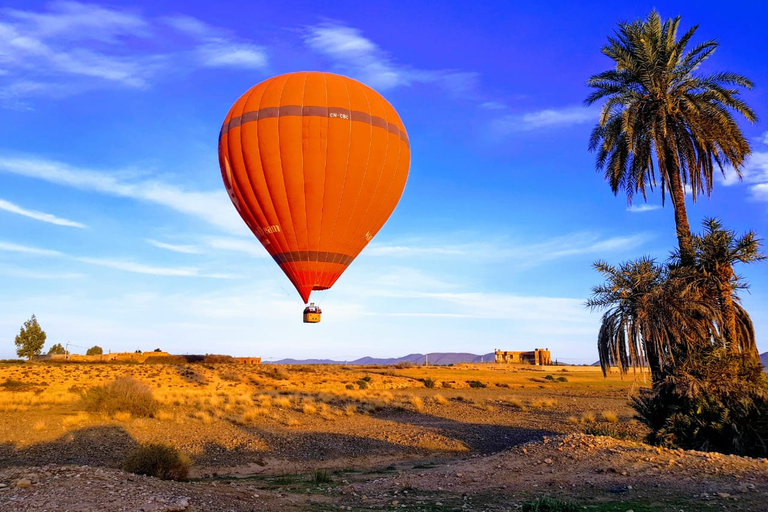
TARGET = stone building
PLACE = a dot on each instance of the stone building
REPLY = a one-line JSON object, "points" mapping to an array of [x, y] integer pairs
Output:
{"points": [[539, 357]]}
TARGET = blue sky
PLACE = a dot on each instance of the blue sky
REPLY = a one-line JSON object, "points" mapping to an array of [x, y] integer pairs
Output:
{"points": [[115, 228]]}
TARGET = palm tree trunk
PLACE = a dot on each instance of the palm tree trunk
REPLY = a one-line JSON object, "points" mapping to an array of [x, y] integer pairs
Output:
{"points": [[677, 193], [728, 310]]}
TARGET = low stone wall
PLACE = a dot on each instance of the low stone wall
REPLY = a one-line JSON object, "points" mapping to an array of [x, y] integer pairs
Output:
{"points": [[127, 357]]}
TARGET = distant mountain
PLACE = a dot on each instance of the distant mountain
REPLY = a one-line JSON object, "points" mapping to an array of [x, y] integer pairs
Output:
{"points": [[764, 360], [440, 358]]}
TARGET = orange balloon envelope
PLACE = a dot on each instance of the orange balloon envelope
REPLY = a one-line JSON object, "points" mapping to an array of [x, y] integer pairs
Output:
{"points": [[315, 163]]}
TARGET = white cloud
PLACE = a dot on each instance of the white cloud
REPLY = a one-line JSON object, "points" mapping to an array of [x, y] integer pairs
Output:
{"points": [[248, 246], [216, 48], [71, 47], [643, 208], [226, 54], [185, 249], [21, 273], [124, 265], [44, 217], [411, 251], [493, 105], [513, 252], [361, 58], [213, 207], [11, 247], [140, 268], [754, 175], [542, 119]]}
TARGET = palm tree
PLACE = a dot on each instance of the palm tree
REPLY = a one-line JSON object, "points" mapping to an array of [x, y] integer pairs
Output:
{"points": [[717, 250], [655, 315], [657, 106]]}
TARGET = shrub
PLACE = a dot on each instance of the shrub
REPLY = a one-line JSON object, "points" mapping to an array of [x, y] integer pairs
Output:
{"points": [[405, 364], [549, 505], [715, 401], [94, 351], [429, 382], [321, 477], [16, 385], [158, 460], [362, 384], [125, 394], [476, 384]]}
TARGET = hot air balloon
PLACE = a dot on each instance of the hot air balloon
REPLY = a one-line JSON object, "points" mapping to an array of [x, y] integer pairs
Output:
{"points": [[314, 163]]}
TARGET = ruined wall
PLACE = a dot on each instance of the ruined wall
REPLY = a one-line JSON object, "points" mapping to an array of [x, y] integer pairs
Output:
{"points": [[539, 357], [137, 357], [248, 360]]}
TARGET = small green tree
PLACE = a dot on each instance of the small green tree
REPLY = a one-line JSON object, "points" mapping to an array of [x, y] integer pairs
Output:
{"points": [[56, 349], [94, 351], [30, 340]]}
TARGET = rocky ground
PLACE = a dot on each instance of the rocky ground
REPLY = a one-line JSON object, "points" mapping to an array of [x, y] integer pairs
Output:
{"points": [[602, 473]]}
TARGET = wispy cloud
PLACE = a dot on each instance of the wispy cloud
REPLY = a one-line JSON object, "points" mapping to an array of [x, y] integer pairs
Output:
{"points": [[185, 249], [213, 207], [518, 253], [754, 175], [124, 265], [544, 119], [216, 47], [71, 47], [11, 247], [44, 217], [21, 273], [358, 56], [641, 208], [140, 268], [248, 246]]}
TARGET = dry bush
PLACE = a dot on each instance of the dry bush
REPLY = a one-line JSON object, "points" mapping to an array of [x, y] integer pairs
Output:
{"points": [[77, 419], [440, 399], [418, 403], [164, 416], [122, 416], [350, 410], [309, 408], [124, 394], [202, 415], [282, 402], [293, 422], [543, 404], [573, 420], [39, 426], [588, 417], [158, 460], [515, 402], [610, 416]]}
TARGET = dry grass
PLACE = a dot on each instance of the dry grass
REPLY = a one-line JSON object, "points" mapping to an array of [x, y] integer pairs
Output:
{"points": [[417, 403], [543, 403], [440, 400], [78, 419], [588, 417], [123, 416], [610, 416]]}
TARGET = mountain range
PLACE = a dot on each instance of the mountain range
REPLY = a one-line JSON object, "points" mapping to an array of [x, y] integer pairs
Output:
{"points": [[439, 358]]}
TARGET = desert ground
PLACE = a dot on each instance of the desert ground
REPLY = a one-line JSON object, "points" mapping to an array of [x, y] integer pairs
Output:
{"points": [[310, 438]]}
